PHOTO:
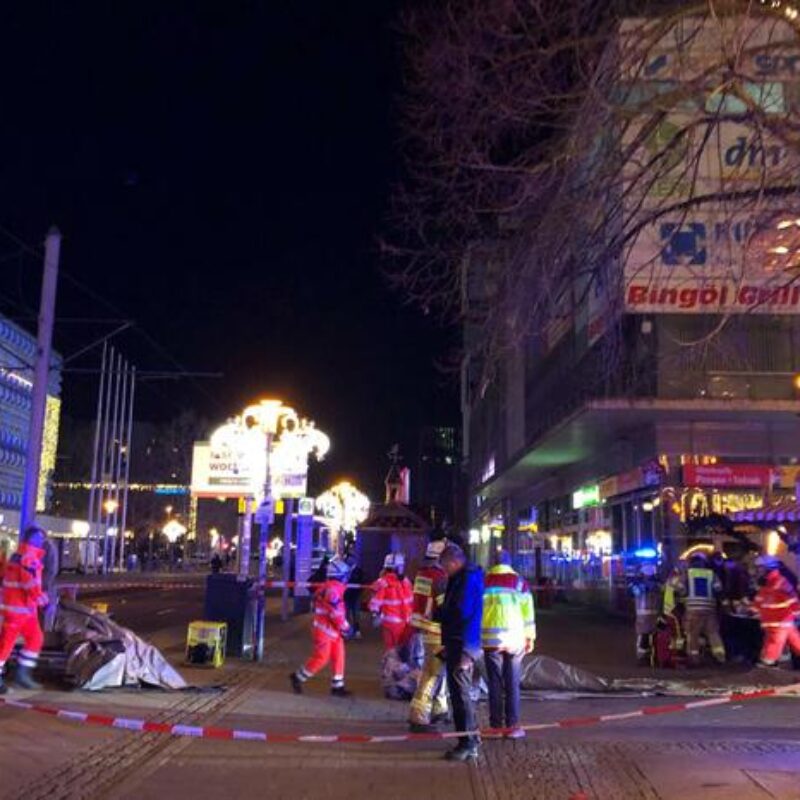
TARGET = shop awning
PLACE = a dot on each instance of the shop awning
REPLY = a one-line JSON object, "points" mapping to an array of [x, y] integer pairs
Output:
{"points": [[782, 510]]}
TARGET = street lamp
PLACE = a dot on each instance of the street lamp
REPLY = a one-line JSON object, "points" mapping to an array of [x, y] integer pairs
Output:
{"points": [[344, 505], [173, 530], [271, 443]]}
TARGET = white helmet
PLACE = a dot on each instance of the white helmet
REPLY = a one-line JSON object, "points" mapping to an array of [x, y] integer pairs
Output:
{"points": [[395, 561], [435, 549]]}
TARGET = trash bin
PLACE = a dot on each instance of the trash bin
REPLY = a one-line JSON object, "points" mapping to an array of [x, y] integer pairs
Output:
{"points": [[205, 644], [231, 601]]}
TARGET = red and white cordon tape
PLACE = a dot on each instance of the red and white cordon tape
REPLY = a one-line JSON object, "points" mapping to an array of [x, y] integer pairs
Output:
{"points": [[111, 585], [233, 734]]}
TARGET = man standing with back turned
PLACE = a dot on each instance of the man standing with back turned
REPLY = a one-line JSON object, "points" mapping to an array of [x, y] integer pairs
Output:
{"points": [[460, 616], [508, 633]]}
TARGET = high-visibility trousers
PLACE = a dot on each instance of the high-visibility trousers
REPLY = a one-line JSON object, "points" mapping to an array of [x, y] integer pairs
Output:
{"points": [[26, 627], [776, 639], [703, 622], [430, 698], [395, 634], [327, 651]]}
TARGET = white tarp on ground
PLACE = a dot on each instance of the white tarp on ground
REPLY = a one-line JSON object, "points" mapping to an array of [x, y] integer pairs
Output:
{"points": [[104, 655]]}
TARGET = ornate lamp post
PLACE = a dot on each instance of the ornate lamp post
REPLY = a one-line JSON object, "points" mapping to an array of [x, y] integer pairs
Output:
{"points": [[344, 505], [271, 441]]}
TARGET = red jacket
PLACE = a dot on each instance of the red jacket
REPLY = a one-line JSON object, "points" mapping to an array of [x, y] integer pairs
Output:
{"points": [[22, 582], [392, 599], [330, 617], [776, 602]]}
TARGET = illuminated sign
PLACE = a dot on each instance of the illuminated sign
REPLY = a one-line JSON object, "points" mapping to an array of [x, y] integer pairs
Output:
{"points": [[728, 475], [586, 496]]}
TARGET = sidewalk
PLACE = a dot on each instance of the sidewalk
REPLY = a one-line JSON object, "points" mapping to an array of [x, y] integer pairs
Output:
{"points": [[748, 751]]}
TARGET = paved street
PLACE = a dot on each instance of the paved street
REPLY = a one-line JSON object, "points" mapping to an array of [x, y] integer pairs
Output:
{"points": [[742, 750]]}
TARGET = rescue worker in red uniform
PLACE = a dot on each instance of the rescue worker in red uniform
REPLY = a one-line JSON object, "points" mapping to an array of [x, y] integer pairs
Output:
{"points": [[777, 606], [22, 598], [391, 602], [329, 628], [429, 704], [391, 606]]}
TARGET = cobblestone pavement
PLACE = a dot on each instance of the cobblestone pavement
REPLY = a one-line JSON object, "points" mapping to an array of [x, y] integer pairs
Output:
{"points": [[748, 751]]}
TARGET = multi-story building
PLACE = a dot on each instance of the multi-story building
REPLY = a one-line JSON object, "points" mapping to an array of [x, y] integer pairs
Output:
{"points": [[574, 462], [435, 485], [17, 355]]}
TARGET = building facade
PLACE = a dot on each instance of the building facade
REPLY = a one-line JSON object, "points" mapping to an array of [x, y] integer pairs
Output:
{"points": [[17, 356], [601, 436], [436, 480]]}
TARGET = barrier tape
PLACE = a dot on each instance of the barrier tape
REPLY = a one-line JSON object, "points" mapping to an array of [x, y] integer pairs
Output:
{"points": [[233, 734], [295, 584]]}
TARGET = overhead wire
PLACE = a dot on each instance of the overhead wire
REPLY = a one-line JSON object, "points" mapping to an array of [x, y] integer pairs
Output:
{"points": [[38, 252]]}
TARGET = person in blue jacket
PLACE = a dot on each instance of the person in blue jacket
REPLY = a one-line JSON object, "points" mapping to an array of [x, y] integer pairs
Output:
{"points": [[460, 615]]}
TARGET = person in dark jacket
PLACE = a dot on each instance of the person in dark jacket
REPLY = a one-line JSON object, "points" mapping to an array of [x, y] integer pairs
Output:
{"points": [[352, 595], [460, 615]]}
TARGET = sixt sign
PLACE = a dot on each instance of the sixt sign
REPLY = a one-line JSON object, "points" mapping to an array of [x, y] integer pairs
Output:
{"points": [[693, 244]]}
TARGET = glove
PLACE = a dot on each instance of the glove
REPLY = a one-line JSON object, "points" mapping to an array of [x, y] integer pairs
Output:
{"points": [[43, 600]]}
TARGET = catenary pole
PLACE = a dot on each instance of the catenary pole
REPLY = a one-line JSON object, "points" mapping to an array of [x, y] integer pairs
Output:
{"points": [[118, 467], [128, 444], [91, 517], [41, 377]]}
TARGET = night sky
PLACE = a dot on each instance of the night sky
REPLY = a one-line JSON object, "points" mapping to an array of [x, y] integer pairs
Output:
{"points": [[220, 172]]}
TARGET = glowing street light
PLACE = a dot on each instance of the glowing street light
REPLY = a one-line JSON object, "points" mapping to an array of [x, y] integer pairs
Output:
{"points": [[110, 506], [344, 505], [173, 530]]}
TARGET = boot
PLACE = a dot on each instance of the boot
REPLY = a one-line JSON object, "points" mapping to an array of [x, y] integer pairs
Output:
{"points": [[340, 691], [297, 684], [24, 679], [463, 753]]}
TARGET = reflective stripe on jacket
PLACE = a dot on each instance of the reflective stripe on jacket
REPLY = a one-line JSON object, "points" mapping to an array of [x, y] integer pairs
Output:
{"points": [[330, 615], [508, 613], [428, 595], [392, 599], [701, 589], [22, 583], [776, 602]]}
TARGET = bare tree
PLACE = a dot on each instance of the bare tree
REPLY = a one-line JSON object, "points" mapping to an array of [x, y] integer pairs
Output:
{"points": [[561, 154]]}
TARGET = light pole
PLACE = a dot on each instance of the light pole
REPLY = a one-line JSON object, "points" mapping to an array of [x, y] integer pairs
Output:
{"points": [[344, 505], [173, 530]]}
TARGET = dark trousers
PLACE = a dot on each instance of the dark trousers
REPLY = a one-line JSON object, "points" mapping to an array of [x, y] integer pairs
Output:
{"points": [[352, 602], [460, 671], [503, 672]]}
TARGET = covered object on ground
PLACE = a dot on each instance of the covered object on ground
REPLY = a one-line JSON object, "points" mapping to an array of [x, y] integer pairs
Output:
{"points": [[101, 654]]}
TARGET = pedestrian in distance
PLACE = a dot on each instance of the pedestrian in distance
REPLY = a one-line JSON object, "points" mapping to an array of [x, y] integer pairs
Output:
{"points": [[460, 616], [22, 599], [508, 632], [329, 629], [352, 595], [429, 704], [777, 606]]}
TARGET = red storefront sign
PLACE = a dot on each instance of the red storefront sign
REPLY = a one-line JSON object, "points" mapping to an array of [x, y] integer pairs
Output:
{"points": [[728, 476]]}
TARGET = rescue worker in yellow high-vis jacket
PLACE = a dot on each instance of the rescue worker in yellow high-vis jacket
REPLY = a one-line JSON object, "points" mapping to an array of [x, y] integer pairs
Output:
{"points": [[508, 632], [429, 704]]}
